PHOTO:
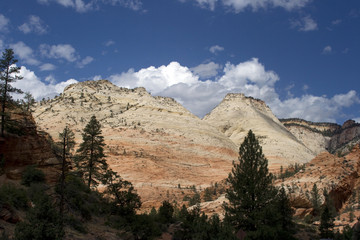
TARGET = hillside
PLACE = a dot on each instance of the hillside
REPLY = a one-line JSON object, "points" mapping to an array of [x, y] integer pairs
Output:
{"points": [[154, 142], [237, 114]]}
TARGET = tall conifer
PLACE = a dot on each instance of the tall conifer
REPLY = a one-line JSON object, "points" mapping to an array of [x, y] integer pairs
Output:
{"points": [[90, 160], [8, 75]]}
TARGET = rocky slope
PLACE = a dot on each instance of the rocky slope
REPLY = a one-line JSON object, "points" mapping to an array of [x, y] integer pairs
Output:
{"points": [[154, 142], [321, 137], [345, 138], [237, 114], [316, 136], [339, 175]]}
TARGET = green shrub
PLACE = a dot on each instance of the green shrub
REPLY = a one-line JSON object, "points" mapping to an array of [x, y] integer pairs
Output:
{"points": [[13, 196], [32, 175]]}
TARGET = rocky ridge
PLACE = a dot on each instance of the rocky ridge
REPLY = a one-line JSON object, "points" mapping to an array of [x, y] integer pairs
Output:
{"points": [[321, 137]]}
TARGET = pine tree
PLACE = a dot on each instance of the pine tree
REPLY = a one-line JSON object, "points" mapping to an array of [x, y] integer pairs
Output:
{"points": [[7, 75], [315, 200], [90, 159], [29, 101], [252, 198], [67, 143]]}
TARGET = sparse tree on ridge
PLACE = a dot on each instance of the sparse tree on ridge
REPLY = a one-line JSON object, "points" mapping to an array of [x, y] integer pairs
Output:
{"points": [[29, 101], [90, 159], [7, 75]]}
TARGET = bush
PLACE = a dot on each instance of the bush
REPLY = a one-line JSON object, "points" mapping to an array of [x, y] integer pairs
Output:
{"points": [[32, 175], [13, 196]]}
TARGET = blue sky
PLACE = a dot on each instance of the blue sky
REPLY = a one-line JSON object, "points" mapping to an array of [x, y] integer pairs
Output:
{"points": [[300, 56]]}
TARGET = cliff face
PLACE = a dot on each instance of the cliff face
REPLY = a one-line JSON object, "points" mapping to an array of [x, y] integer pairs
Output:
{"points": [[325, 136], [343, 139], [28, 148], [316, 136], [154, 142], [237, 114]]}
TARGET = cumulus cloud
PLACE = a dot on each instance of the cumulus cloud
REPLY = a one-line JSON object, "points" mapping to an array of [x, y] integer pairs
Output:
{"points": [[82, 6], [304, 24], [4, 22], [206, 70], [33, 84], [156, 79], [47, 67], [34, 24], [327, 50], [249, 77], [87, 60], [25, 53], [215, 49], [60, 51]]}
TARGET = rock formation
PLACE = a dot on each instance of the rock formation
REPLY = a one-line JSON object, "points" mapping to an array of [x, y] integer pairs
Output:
{"points": [[154, 142], [237, 114]]}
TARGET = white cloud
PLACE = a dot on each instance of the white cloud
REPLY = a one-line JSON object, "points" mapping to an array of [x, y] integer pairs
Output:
{"points": [[210, 4], [60, 51], [35, 24], [240, 5], [206, 70], [336, 22], [87, 60], [47, 67], [156, 79], [97, 77], [109, 43], [250, 78], [3, 23], [327, 50], [215, 49], [305, 24], [25, 53], [33, 84], [82, 6]]}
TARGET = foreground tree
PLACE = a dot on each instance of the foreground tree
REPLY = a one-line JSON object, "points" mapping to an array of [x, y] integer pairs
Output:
{"points": [[124, 199], [66, 143], [7, 75], [253, 201], [326, 227], [90, 159]]}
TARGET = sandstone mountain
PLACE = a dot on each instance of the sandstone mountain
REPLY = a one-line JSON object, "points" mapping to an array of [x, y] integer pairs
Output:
{"points": [[165, 150], [237, 114], [154, 142]]}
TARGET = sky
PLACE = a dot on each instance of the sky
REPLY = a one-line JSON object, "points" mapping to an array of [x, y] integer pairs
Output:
{"points": [[300, 56]]}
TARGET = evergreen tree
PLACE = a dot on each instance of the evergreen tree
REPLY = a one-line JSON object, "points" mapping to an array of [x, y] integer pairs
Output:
{"points": [[326, 223], [125, 200], [41, 222], [315, 200], [29, 101], [7, 75], [90, 159], [252, 198], [67, 143]]}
